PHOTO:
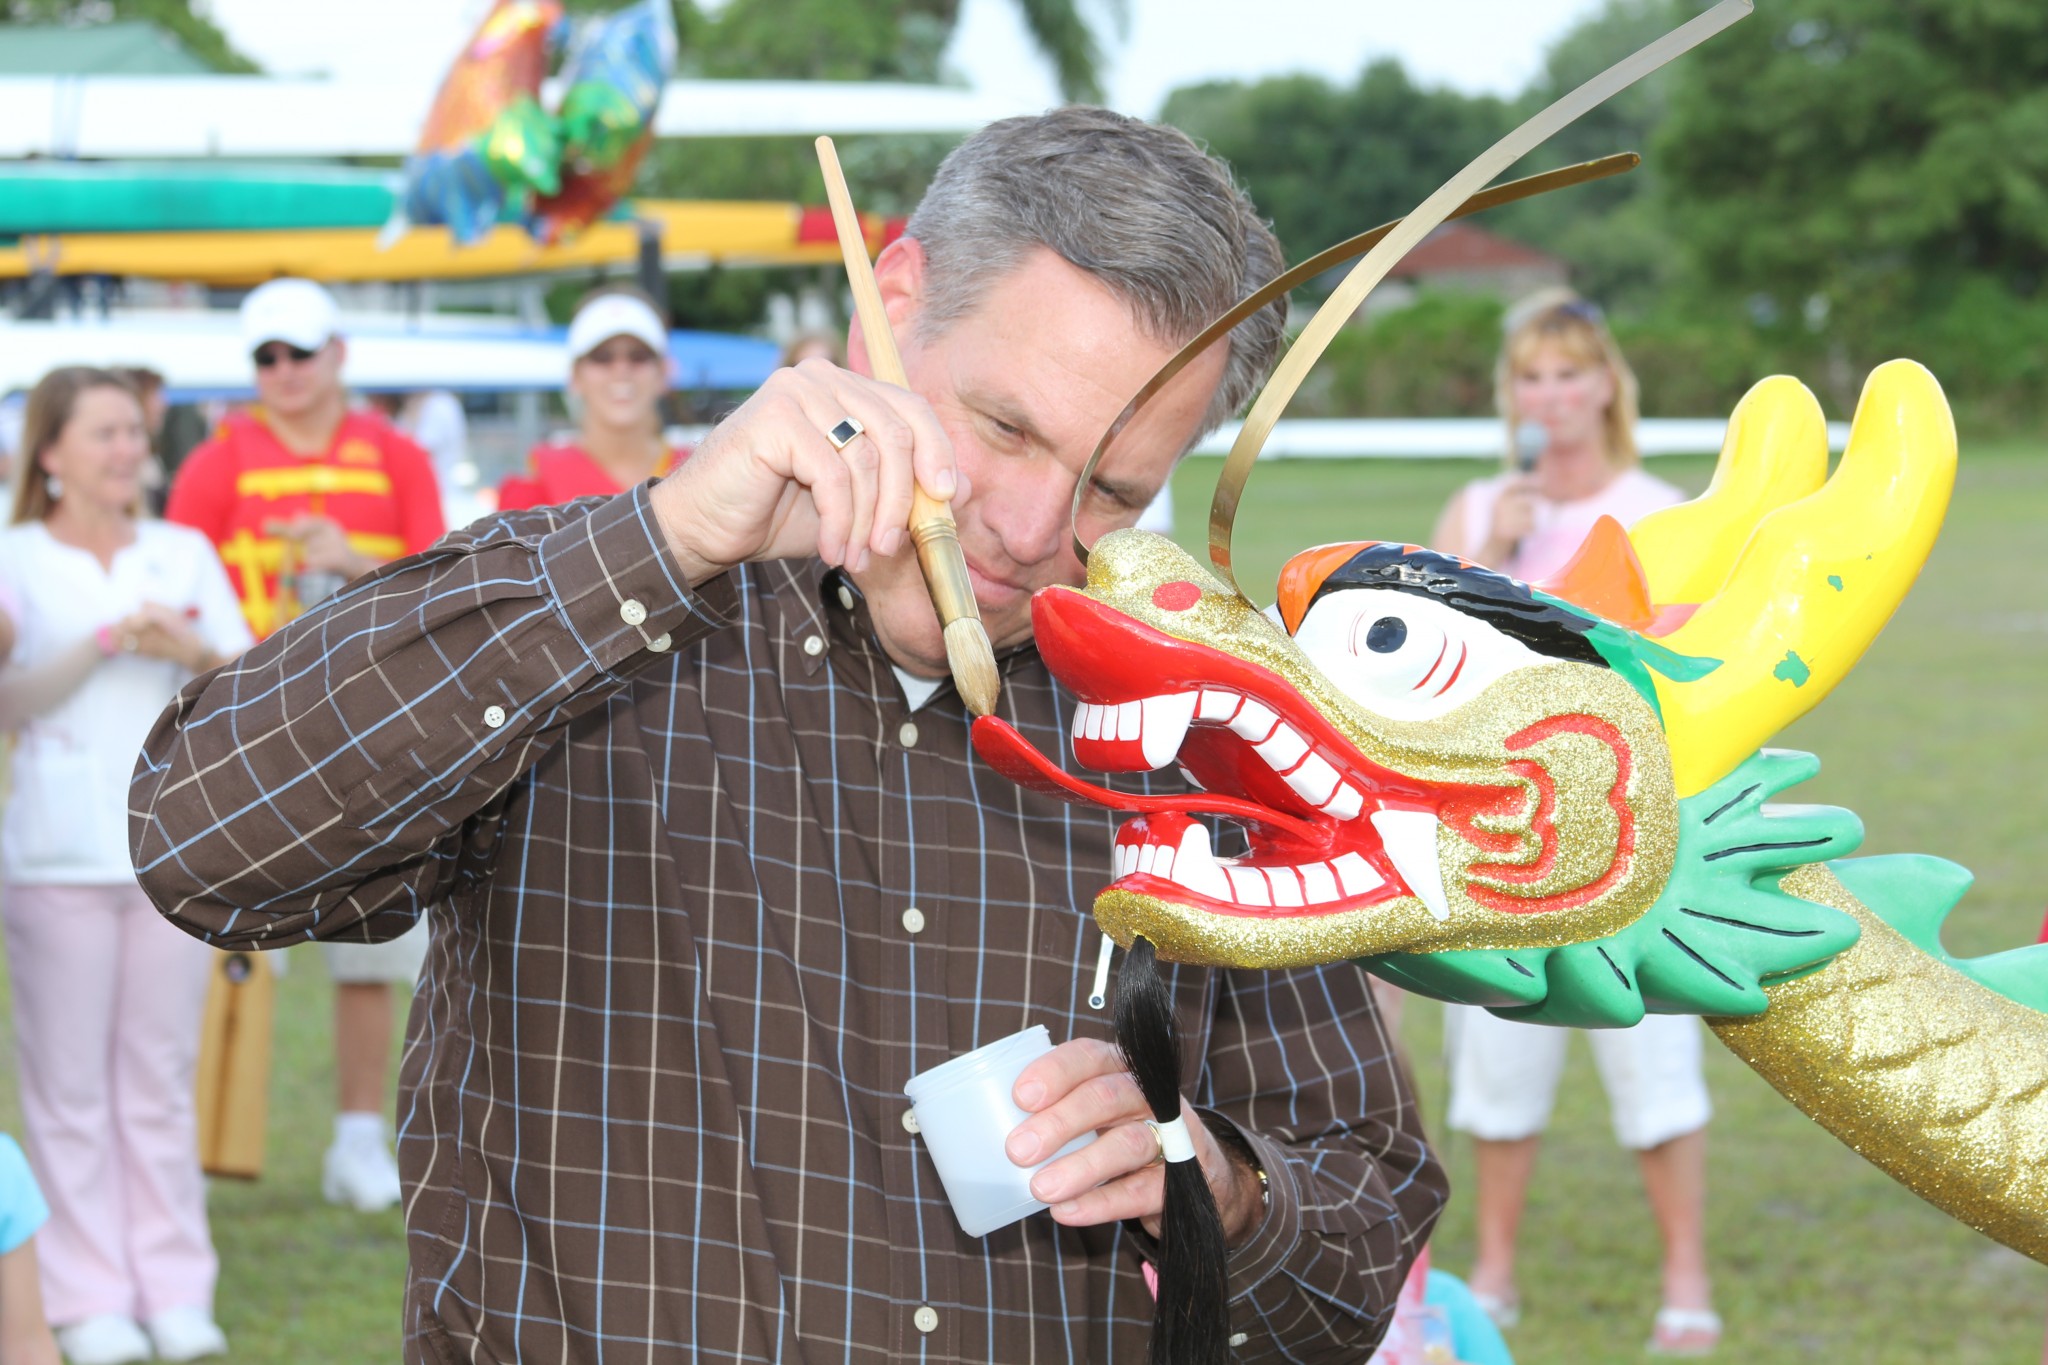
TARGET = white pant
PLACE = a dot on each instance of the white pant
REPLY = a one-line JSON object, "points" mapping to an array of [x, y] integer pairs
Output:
{"points": [[395, 960], [107, 1002], [1504, 1075]]}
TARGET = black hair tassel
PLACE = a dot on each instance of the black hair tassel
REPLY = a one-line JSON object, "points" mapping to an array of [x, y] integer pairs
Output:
{"points": [[1191, 1320]]}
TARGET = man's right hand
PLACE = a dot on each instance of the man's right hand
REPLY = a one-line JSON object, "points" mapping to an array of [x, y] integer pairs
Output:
{"points": [[768, 484]]}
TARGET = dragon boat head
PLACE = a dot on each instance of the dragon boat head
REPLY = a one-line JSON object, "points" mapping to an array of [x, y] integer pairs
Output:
{"points": [[1471, 780]]}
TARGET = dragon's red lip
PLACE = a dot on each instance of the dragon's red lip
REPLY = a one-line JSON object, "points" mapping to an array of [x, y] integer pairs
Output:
{"points": [[1330, 830]]}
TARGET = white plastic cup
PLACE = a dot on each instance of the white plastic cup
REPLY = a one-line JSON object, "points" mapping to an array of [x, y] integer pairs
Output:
{"points": [[965, 1114]]}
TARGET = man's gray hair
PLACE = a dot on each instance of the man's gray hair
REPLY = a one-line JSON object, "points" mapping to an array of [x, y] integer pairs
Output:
{"points": [[1137, 205]]}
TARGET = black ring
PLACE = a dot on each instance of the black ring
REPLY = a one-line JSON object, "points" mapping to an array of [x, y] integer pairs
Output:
{"points": [[842, 435]]}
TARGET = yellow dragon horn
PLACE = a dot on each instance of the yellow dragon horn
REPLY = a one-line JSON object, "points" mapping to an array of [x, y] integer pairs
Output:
{"points": [[1775, 452], [1815, 582]]}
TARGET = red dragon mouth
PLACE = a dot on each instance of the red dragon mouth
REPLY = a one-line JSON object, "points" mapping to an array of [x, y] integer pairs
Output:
{"points": [[1330, 830]]}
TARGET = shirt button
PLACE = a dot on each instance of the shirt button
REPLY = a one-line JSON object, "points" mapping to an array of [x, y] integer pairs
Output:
{"points": [[926, 1318], [910, 1121], [913, 920], [814, 645], [908, 734], [846, 597], [1238, 1338], [494, 716], [660, 643], [631, 612]]}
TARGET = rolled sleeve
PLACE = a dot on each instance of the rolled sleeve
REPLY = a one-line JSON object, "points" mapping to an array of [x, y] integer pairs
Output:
{"points": [[313, 787]]}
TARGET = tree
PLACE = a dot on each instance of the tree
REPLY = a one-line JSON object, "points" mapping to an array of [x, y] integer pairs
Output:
{"points": [[1326, 162], [1865, 160], [174, 17]]}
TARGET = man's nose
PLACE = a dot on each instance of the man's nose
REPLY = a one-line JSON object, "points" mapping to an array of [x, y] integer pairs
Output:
{"points": [[1028, 516]]}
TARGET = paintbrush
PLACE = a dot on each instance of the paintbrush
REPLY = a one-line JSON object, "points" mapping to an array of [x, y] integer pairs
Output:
{"points": [[969, 655]]}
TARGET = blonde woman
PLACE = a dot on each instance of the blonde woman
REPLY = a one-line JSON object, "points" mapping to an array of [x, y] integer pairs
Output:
{"points": [[113, 613], [1569, 400]]}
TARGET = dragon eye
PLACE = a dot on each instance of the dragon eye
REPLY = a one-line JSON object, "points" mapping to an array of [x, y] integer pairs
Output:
{"points": [[1388, 634], [1406, 655]]}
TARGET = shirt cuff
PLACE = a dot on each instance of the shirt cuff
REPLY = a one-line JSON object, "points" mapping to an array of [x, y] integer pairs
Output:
{"points": [[1279, 1231], [620, 589]]}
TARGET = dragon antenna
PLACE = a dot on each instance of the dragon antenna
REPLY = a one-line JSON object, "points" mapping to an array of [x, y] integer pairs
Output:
{"points": [[1281, 285], [1433, 211]]}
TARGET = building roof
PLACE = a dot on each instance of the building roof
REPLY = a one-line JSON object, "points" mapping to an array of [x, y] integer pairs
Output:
{"points": [[1466, 249], [117, 49]]}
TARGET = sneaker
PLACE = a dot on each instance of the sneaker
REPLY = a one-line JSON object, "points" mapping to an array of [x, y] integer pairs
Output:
{"points": [[186, 1334], [103, 1339], [360, 1174]]}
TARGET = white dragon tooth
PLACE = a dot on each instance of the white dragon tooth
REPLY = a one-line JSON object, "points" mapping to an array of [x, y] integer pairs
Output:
{"points": [[1088, 721], [1162, 862], [1318, 883], [1286, 886], [1253, 721], [1196, 868], [1166, 725], [1147, 856], [1218, 705], [1315, 781], [1356, 875], [1191, 779], [1283, 750], [1248, 886], [1345, 805], [1128, 718], [1409, 836]]}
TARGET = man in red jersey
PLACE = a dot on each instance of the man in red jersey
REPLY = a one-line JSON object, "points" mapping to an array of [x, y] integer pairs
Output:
{"points": [[300, 494]]}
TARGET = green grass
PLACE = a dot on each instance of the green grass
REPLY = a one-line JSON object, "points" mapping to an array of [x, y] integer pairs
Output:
{"points": [[1936, 740]]}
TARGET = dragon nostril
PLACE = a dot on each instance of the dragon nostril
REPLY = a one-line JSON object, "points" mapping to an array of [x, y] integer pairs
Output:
{"points": [[1176, 596]]}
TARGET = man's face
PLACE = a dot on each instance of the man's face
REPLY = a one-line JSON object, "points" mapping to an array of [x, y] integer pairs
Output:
{"points": [[291, 382], [1025, 385]]}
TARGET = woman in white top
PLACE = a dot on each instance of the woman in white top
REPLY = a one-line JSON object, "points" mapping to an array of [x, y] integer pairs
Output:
{"points": [[1569, 400], [112, 614]]}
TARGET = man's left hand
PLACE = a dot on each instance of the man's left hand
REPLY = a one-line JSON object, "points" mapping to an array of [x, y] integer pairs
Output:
{"points": [[1082, 1087]]}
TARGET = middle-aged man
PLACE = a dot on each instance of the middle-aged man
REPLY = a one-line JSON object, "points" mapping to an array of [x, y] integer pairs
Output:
{"points": [[300, 494], [713, 871]]}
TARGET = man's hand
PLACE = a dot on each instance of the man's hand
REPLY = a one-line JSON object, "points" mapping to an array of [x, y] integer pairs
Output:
{"points": [[768, 484], [322, 546], [1082, 1087]]}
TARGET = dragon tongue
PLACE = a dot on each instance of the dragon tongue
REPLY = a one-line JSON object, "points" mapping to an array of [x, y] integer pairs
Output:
{"points": [[1009, 753]]}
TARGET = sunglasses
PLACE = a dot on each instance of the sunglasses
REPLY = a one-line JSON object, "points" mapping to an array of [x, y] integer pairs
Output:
{"points": [[267, 356]]}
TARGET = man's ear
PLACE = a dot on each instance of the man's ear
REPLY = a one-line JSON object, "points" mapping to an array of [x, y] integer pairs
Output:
{"points": [[899, 276]]}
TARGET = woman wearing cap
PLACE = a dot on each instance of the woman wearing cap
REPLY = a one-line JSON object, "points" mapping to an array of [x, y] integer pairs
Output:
{"points": [[1569, 399], [115, 613], [618, 372]]}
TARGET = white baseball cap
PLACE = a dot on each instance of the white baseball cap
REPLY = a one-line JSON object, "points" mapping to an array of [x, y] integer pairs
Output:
{"points": [[297, 312], [615, 315]]}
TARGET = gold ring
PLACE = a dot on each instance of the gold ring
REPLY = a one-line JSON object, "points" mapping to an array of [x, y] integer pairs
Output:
{"points": [[128, 642], [1160, 1159]]}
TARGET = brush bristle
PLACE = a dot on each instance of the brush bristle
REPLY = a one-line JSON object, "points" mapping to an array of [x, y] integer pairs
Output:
{"points": [[972, 660]]}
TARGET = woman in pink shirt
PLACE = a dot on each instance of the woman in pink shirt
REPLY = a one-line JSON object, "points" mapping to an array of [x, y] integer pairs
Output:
{"points": [[1569, 400]]}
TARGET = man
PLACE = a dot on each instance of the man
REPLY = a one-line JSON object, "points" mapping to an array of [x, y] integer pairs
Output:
{"points": [[300, 495], [714, 871]]}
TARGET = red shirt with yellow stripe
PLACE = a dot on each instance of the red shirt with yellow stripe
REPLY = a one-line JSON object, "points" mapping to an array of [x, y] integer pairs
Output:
{"points": [[371, 479]]}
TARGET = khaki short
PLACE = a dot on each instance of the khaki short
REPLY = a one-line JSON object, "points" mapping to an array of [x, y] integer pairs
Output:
{"points": [[395, 960]]}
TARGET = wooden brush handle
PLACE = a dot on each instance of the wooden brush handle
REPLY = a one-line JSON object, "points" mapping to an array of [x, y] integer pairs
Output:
{"points": [[931, 519]]}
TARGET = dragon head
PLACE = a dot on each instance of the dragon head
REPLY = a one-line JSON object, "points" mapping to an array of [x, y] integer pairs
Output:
{"points": [[1478, 783]]}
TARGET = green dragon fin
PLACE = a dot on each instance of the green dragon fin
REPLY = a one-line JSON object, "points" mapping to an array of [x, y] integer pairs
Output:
{"points": [[1914, 892], [1720, 931]]}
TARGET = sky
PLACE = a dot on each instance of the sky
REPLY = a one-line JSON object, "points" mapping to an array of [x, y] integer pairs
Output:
{"points": [[1477, 46]]}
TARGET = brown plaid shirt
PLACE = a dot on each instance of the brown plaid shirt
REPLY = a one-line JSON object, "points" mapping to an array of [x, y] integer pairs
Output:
{"points": [[704, 893]]}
